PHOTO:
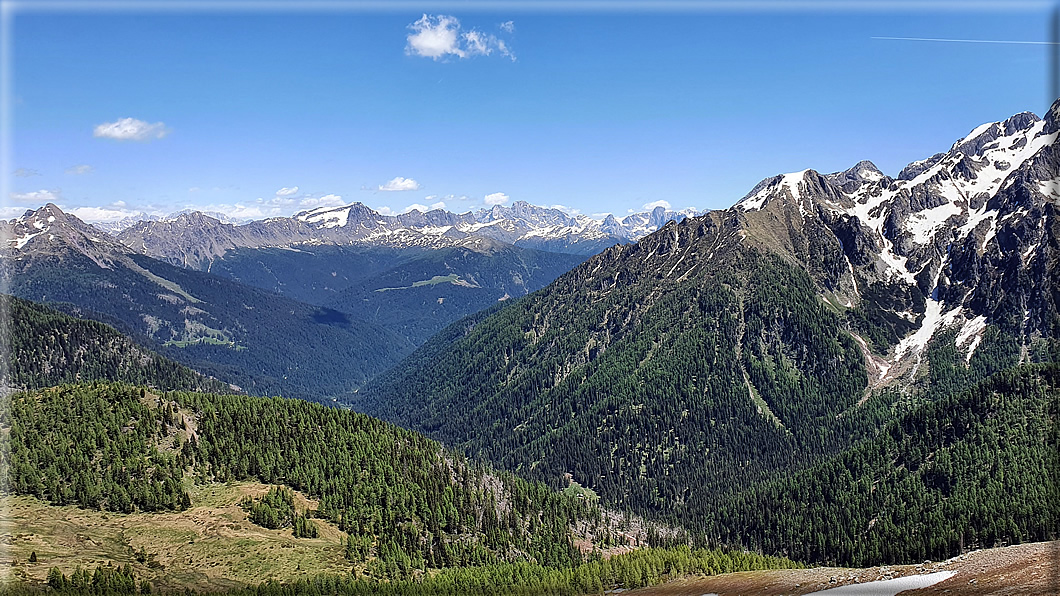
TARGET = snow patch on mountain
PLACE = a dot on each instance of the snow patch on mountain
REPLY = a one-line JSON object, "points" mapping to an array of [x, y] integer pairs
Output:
{"points": [[1050, 188], [21, 241], [327, 217], [971, 334]]}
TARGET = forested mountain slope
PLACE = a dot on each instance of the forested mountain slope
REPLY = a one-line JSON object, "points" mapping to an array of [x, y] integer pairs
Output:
{"points": [[411, 292], [974, 469], [47, 347], [258, 340], [645, 387], [403, 500]]}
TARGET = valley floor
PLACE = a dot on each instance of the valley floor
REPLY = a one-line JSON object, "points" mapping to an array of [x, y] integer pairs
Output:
{"points": [[1021, 569]]}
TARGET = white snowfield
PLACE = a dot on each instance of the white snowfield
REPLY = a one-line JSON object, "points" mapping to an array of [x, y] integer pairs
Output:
{"points": [[888, 587]]}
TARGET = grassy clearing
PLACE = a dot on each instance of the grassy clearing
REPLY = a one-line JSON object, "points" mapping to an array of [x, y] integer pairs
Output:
{"points": [[452, 278], [208, 547]]}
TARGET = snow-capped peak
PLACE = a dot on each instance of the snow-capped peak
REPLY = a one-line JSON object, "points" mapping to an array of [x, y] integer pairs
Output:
{"points": [[761, 193]]}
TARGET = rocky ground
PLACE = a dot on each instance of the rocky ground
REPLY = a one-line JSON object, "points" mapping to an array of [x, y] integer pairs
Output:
{"points": [[1021, 569]]}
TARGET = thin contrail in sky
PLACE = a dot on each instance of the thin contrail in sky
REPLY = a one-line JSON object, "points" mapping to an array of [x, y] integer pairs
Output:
{"points": [[1034, 43]]}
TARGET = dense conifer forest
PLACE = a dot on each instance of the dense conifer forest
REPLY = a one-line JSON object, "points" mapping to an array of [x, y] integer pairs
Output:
{"points": [[48, 348], [735, 405], [404, 501]]}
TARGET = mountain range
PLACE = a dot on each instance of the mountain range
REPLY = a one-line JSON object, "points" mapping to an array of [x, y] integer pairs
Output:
{"points": [[196, 239], [723, 352], [840, 367]]}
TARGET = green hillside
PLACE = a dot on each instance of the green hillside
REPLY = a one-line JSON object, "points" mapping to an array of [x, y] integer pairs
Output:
{"points": [[647, 390], [404, 502], [695, 377], [49, 348], [974, 469], [262, 342], [439, 286]]}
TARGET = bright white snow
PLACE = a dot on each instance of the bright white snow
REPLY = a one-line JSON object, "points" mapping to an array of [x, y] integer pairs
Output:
{"points": [[889, 587], [972, 332], [934, 319], [20, 242], [1050, 188], [328, 219]]}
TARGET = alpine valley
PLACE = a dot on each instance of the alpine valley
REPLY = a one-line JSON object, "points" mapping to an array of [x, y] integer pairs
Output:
{"points": [[846, 369]]}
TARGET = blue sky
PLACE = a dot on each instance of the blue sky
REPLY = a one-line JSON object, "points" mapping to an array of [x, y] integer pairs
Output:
{"points": [[258, 113]]}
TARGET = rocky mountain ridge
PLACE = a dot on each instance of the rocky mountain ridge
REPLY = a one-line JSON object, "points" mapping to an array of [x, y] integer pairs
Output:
{"points": [[195, 239], [962, 239]]}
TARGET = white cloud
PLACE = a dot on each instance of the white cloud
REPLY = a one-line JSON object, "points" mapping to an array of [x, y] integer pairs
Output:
{"points": [[434, 37], [240, 211], [507, 26], [130, 129], [385, 211], [497, 198], [477, 43], [441, 36], [11, 212], [80, 170], [25, 172], [287, 191], [99, 214], [194, 189], [438, 205], [654, 204], [399, 183], [416, 207], [566, 209], [279, 201], [324, 201], [37, 196]]}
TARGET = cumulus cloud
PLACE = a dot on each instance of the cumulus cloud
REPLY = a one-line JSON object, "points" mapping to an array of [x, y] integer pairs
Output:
{"points": [[566, 209], [654, 204], [507, 27], [416, 207], [130, 129], [497, 198], [399, 184], [11, 212], [25, 172], [37, 196], [99, 214], [324, 201], [441, 36], [278, 201], [79, 170], [287, 191], [241, 211], [438, 205]]}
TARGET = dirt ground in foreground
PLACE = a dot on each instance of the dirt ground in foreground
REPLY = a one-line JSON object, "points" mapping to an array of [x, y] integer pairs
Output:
{"points": [[1022, 569]]}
